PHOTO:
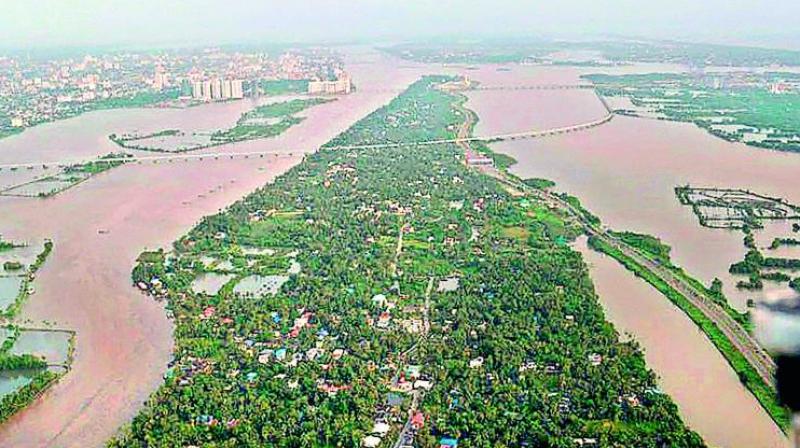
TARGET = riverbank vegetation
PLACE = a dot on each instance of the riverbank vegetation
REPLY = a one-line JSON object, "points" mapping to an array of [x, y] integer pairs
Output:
{"points": [[738, 107], [519, 353], [657, 250], [27, 375], [764, 393]]}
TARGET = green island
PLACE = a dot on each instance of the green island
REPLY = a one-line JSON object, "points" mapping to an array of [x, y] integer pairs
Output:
{"points": [[414, 285], [264, 121], [755, 263], [25, 375], [738, 107]]}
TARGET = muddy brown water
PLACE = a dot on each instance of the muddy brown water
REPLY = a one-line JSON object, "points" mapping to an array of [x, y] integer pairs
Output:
{"points": [[123, 340], [625, 172]]}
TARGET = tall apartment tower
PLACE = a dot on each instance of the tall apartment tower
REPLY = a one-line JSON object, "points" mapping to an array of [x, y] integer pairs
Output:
{"points": [[216, 89], [197, 90], [237, 89], [226, 89]]}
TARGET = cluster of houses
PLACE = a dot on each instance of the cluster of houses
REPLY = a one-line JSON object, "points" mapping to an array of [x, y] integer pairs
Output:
{"points": [[411, 379]]}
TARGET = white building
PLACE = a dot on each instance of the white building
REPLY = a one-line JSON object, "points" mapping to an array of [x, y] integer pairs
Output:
{"points": [[216, 89], [341, 85], [227, 88], [237, 89], [197, 90]]}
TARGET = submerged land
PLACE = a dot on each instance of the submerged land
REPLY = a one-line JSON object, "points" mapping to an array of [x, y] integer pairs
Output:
{"points": [[358, 339], [416, 280]]}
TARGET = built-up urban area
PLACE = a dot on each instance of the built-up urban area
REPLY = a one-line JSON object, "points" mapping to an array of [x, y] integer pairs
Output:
{"points": [[35, 90]]}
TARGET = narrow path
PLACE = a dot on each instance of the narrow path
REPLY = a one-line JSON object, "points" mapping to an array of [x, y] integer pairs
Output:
{"points": [[406, 435]]}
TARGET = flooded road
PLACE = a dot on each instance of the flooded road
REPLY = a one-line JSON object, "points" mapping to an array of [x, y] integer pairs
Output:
{"points": [[123, 340]]}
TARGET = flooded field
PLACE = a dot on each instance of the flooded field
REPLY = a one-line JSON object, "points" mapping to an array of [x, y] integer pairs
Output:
{"points": [[10, 287], [13, 380], [210, 283], [260, 285], [625, 172], [123, 340], [708, 393], [53, 346]]}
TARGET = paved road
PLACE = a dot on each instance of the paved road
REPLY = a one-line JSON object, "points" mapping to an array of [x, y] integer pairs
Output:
{"points": [[739, 337], [461, 139]]}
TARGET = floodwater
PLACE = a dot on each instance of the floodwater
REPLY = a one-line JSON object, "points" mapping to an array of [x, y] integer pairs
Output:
{"points": [[210, 283], [123, 338], [708, 393], [10, 287], [13, 380], [625, 172], [53, 346]]}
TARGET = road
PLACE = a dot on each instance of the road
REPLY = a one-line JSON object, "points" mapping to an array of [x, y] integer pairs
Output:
{"points": [[738, 335], [460, 139], [406, 436]]}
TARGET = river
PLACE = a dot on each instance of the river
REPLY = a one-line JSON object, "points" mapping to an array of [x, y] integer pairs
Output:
{"points": [[123, 338], [625, 172]]}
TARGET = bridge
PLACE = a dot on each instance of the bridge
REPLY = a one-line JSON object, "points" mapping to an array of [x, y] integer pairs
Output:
{"points": [[535, 87], [176, 157], [498, 87]]}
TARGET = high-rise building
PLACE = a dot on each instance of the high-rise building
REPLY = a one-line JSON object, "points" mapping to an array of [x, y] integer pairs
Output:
{"points": [[160, 79], [216, 89], [341, 85], [197, 90], [237, 89], [226, 89]]}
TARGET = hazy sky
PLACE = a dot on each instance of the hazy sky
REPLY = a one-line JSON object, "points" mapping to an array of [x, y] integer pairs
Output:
{"points": [[36, 23]]}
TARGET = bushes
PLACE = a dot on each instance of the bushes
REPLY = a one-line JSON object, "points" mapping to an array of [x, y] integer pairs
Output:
{"points": [[764, 393], [18, 362]]}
